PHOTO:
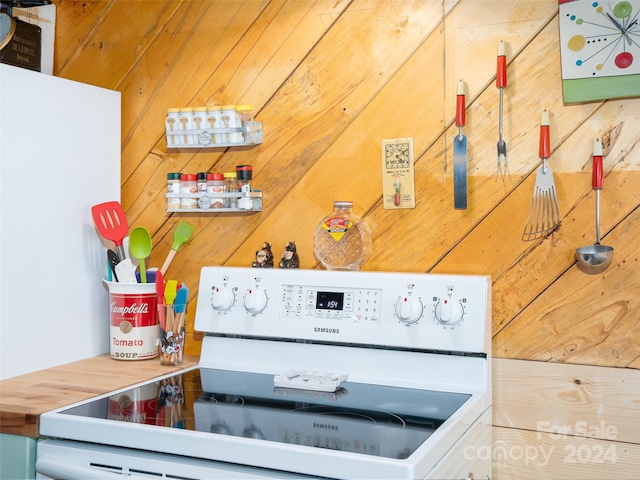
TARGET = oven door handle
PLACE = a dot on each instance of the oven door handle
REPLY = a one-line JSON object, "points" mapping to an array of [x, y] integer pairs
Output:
{"points": [[52, 466]]}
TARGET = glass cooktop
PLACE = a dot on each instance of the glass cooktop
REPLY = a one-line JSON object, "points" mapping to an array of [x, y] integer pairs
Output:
{"points": [[361, 418]]}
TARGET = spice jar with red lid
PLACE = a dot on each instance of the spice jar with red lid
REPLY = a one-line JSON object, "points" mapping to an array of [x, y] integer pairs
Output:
{"points": [[215, 186], [244, 174], [188, 185]]}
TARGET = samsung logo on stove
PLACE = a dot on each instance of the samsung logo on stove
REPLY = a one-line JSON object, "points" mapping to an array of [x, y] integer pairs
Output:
{"points": [[326, 330]]}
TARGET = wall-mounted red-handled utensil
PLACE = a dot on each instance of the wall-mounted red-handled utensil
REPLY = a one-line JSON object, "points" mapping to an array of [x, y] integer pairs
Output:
{"points": [[111, 222], [501, 83], [595, 258], [460, 153], [544, 212]]}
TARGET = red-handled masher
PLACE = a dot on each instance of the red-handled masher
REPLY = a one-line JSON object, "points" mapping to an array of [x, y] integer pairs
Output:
{"points": [[501, 83], [460, 154]]}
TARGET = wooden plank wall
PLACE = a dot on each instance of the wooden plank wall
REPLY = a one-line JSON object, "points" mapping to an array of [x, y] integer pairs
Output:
{"points": [[565, 421], [330, 80]]}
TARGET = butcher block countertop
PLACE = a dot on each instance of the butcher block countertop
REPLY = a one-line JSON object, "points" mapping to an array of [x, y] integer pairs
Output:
{"points": [[24, 398]]}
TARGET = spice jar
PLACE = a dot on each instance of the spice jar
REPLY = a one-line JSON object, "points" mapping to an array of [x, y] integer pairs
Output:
{"points": [[199, 124], [188, 186], [173, 123], [245, 116], [244, 174], [215, 186], [201, 182], [186, 124], [173, 186], [214, 121], [230, 120], [231, 183], [245, 112]]}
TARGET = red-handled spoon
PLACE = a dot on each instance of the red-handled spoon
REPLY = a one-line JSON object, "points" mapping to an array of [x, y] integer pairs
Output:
{"points": [[595, 258]]}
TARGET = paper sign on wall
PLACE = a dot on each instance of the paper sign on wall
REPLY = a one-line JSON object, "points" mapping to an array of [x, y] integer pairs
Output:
{"points": [[397, 173]]}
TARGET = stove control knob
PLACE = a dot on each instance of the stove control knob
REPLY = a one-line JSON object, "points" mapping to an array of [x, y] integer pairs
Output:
{"points": [[409, 310], [449, 312], [222, 299], [255, 301]]}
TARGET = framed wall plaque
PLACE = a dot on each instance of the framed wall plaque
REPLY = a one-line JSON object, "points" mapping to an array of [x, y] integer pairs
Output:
{"points": [[23, 50]]}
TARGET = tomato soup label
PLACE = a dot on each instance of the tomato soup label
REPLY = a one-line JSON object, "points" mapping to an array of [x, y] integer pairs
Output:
{"points": [[134, 326]]}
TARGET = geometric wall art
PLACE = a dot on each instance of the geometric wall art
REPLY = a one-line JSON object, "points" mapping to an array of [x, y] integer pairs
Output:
{"points": [[599, 49]]}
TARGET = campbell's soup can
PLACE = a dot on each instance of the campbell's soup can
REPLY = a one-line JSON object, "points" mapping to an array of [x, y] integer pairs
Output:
{"points": [[139, 405], [133, 320]]}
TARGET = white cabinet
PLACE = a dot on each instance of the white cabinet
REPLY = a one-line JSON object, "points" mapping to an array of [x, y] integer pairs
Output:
{"points": [[59, 155]]}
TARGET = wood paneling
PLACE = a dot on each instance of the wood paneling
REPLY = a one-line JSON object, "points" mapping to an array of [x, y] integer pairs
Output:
{"points": [[528, 455], [565, 421], [331, 80], [542, 396]]}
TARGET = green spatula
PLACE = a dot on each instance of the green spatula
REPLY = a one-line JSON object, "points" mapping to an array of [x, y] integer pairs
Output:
{"points": [[140, 244], [181, 235]]}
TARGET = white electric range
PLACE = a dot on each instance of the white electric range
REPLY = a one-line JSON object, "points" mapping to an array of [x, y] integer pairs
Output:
{"points": [[303, 374]]}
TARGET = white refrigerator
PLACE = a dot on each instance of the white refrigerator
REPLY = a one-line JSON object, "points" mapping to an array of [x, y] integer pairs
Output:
{"points": [[59, 155]]}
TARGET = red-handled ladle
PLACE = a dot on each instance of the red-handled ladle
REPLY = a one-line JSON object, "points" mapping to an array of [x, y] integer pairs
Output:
{"points": [[595, 258]]}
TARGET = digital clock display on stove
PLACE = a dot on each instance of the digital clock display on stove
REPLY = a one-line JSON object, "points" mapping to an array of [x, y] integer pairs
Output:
{"points": [[330, 301]]}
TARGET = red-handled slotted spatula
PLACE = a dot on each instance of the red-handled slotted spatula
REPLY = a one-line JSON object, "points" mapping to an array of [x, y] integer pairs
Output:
{"points": [[111, 223], [544, 212]]}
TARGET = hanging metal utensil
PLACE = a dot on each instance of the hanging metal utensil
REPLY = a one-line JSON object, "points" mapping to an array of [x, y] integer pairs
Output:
{"points": [[595, 258], [544, 213], [460, 154], [501, 83]]}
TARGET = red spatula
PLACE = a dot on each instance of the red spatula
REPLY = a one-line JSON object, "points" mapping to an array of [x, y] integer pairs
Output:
{"points": [[111, 223]]}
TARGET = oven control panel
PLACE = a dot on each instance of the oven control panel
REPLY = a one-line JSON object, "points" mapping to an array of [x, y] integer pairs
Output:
{"points": [[346, 303], [412, 310]]}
